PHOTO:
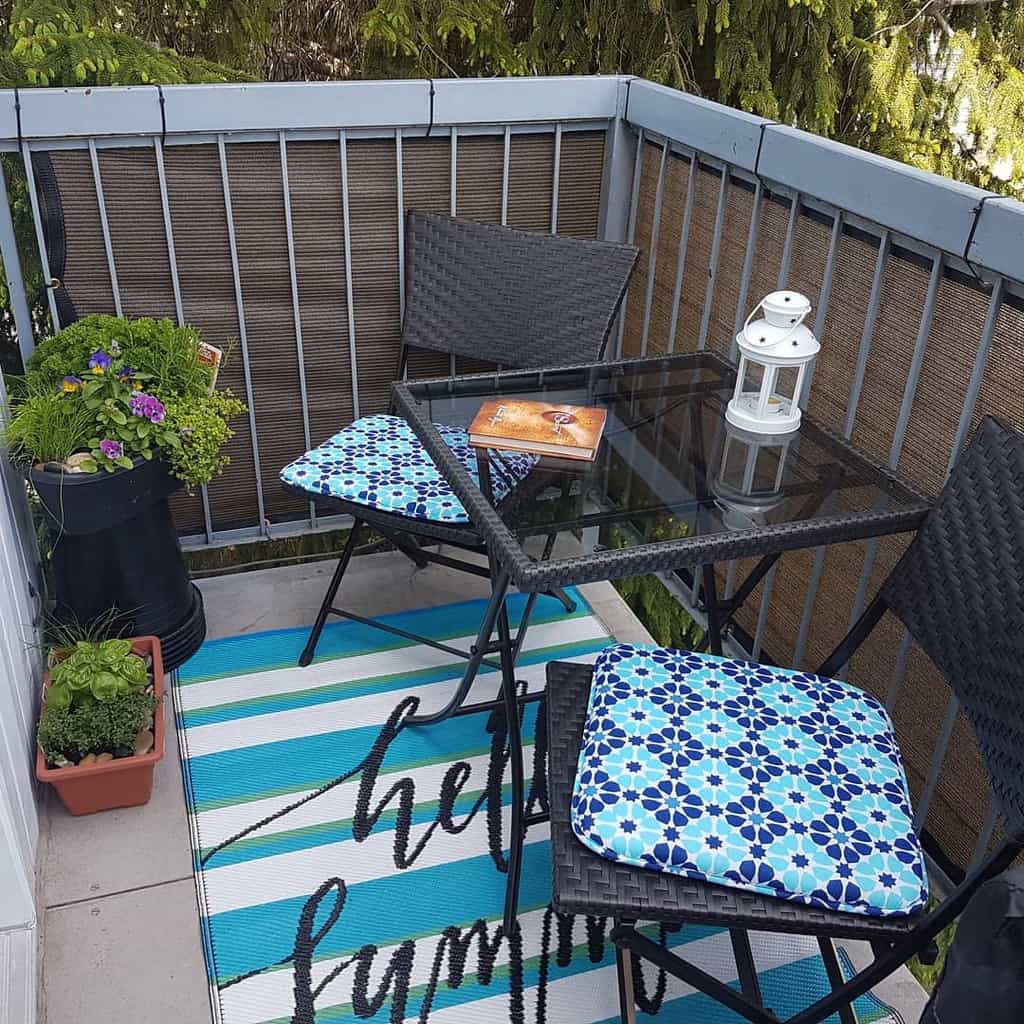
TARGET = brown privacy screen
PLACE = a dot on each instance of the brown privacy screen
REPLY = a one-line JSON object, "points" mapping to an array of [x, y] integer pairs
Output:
{"points": [[960, 801], [199, 222]]}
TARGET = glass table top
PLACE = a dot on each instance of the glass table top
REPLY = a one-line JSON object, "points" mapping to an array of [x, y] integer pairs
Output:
{"points": [[669, 467]]}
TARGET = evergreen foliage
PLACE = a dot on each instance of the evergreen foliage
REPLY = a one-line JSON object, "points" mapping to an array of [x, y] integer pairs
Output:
{"points": [[97, 42], [935, 83]]}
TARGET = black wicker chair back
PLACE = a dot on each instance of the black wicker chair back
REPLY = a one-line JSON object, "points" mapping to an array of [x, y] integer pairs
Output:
{"points": [[515, 298], [959, 589]]}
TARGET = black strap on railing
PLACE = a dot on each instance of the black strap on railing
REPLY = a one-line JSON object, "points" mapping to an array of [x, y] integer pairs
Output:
{"points": [[163, 114], [17, 114], [970, 238], [765, 125], [430, 125]]}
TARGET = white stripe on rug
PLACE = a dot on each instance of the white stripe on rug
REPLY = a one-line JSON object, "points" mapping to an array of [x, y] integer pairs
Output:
{"points": [[289, 875], [342, 715]]}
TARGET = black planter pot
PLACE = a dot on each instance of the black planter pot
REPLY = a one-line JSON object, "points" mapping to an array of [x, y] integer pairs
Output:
{"points": [[115, 546]]}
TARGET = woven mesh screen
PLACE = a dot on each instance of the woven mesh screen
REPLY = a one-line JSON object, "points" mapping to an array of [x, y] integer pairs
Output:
{"points": [[961, 798], [200, 232]]}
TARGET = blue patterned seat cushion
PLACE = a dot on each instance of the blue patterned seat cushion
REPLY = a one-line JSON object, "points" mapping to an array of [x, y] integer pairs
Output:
{"points": [[379, 462], [761, 778]]}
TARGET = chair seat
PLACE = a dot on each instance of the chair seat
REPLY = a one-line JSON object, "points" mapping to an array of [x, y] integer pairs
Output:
{"points": [[765, 779], [379, 462]]}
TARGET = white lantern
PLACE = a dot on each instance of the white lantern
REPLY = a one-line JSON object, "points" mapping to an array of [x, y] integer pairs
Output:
{"points": [[749, 484], [775, 352]]}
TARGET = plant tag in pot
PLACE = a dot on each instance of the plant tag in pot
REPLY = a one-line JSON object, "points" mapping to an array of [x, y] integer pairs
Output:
{"points": [[211, 356]]}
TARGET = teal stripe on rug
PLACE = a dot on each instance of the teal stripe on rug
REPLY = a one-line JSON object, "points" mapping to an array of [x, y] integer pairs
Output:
{"points": [[430, 899], [280, 648]]}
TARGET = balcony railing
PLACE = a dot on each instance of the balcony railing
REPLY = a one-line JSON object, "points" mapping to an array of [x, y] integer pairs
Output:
{"points": [[270, 217]]}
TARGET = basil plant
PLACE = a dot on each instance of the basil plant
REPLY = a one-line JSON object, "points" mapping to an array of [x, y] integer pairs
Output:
{"points": [[96, 672]]}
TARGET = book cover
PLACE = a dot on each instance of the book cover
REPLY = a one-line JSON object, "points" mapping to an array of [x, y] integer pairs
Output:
{"points": [[569, 431]]}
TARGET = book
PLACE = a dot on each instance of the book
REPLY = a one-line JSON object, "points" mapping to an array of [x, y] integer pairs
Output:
{"points": [[521, 425]]}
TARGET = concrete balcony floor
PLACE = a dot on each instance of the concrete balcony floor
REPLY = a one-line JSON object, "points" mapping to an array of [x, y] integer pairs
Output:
{"points": [[120, 932]]}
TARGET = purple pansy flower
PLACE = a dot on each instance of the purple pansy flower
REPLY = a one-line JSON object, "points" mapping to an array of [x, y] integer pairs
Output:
{"points": [[112, 449], [99, 361], [70, 384], [148, 406]]}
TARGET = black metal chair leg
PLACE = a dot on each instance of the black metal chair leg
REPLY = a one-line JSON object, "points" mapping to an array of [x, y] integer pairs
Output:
{"points": [[515, 757], [624, 973], [746, 969], [479, 650], [408, 546], [835, 977], [321, 616]]}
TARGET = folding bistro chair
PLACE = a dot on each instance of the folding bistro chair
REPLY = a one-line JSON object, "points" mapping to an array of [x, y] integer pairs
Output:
{"points": [[775, 800], [515, 298]]}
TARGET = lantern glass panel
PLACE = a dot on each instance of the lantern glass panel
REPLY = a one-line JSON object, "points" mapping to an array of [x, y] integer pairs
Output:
{"points": [[749, 468], [785, 385], [753, 374]]}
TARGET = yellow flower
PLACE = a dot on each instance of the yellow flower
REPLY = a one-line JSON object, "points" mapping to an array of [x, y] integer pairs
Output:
{"points": [[137, 385], [98, 370], [69, 388]]}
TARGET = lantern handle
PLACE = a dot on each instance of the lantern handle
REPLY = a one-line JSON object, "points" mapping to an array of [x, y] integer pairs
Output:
{"points": [[789, 334]]}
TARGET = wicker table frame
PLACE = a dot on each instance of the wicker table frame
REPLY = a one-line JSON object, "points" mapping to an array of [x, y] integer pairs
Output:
{"points": [[510, 565]]}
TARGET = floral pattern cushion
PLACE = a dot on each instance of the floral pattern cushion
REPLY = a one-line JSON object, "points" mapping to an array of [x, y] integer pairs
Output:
{"points": [[379, 462], [783, 782]]}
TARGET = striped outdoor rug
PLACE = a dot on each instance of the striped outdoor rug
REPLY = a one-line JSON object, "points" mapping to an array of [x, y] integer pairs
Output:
{"points": [[346, 866]]}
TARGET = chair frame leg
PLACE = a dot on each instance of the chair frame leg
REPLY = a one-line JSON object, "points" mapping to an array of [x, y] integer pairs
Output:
{"points": [[844, 992], [477, 653], [624, 975], [309, 650], [746, 969]]}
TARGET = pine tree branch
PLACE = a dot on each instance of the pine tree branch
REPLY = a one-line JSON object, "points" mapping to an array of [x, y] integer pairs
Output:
{"points": [[943, 24]]}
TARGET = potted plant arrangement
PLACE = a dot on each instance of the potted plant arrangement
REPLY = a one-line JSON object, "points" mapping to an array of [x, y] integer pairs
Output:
{"points": [[101, 731], [111, 417]]}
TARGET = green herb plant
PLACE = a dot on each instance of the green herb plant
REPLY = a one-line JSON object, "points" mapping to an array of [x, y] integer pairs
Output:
{"points": [[202, 425], [103, 727], [96, 701], [46, 428], [159, 351], [96, 672]]}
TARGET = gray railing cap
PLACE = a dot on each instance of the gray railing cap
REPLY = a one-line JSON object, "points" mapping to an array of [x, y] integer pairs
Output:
{"points": [[998, 241], [725, 133], [510, 100], [916, 203], [275, 106]]}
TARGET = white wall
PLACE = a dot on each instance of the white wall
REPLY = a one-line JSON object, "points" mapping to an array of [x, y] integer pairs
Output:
{"points": [[19, 689]]}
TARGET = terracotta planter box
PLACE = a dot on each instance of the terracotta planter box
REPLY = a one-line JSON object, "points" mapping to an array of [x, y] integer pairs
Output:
{"points": [[122, 782]]}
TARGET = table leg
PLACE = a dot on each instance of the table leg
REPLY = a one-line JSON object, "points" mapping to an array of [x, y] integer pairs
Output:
{"points": [[515, 757], [714, 632]]}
